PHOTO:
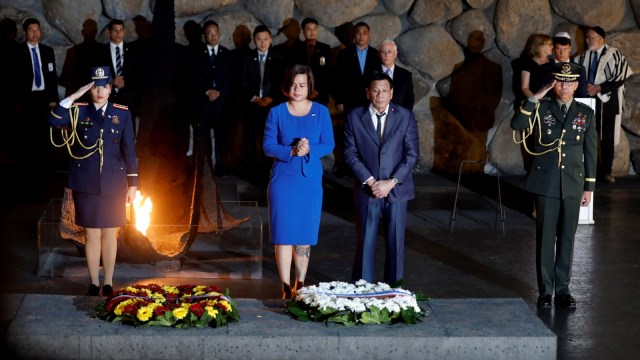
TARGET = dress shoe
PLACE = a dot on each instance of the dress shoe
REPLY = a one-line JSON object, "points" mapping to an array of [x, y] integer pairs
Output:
{"points": [[610, 179], [544, 302], [287, 291], [107, 290], [565, 301], [94, 290], [299, 285]]}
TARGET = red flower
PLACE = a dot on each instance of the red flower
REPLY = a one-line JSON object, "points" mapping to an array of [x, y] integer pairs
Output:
{"points": [[160, 310], [196, 309]]}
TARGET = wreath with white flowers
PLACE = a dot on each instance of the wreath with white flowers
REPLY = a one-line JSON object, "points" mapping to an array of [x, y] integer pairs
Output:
{"points": [[359, 303]]}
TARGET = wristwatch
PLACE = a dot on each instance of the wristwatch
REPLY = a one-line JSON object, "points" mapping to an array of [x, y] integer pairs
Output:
{"points": [[394, 180]]}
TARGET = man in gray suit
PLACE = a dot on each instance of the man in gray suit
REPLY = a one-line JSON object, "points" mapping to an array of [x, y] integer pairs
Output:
{"points": [[402, 80], [381, 149]]}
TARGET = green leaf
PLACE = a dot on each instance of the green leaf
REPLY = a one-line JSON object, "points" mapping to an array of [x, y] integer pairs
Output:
{"points": [[420, 296], [409, 315], [342, 319], [328, 311], [375, 316]]}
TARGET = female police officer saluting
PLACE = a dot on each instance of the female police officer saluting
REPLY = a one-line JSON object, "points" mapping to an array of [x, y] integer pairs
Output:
{"points": [[103, 174]]}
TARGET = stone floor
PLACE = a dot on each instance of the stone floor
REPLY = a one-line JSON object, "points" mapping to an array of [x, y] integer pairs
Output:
{"points": [[476, 260]]}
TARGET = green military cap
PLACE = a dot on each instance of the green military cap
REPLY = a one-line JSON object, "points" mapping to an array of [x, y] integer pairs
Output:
{"points": [[566, 71]]}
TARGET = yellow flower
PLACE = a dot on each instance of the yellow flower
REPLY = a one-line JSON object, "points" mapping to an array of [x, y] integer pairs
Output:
{"points": [[170, 289], [199, 290], [226, 305], [180, 312], [211, 311], [144, 313], [157, 297], [118, 310]]}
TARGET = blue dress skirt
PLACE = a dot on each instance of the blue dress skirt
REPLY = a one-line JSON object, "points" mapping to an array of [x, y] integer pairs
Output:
{"points": [[295, 206], [100, 211]]}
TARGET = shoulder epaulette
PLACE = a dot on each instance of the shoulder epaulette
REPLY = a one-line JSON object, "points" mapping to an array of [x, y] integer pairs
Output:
{"points": [[123, 107], [80, 104]]}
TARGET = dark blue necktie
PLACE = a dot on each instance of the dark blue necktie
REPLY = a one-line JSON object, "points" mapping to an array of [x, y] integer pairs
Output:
{"points": [[379, 124], [593, 68], [118, 61], [37, 76]]}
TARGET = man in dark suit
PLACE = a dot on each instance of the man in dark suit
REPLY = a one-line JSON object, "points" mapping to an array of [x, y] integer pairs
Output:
{"points": [[381, 149], [36, 85], [79, 59], [215, 74], [316, 55], [126, 67], [354, 65], [262, 76], [402, 79], [562, 176]]}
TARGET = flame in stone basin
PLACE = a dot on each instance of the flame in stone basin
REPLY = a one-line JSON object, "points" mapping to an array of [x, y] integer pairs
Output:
{"points": [[142, 209]]}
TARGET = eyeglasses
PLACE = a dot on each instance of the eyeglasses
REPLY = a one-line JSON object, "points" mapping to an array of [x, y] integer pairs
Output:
{"points": [[593, 37], [212, 33]]}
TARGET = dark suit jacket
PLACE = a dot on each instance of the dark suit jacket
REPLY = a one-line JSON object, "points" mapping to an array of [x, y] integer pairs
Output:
{"points": [[320, 65], [572, 176], [130, 95], [217, 75], [119, 168], [395, 156], [273, 76], [350, 83], [24, 72], [403, 87]]}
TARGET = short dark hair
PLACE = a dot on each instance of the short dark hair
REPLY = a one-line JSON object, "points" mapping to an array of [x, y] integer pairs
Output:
{"points": [[299, 69], [379, 76], [261, 28], [360, 24], [561, 40], [29, 21], [114, 22], [209, 23], [308, 21]]}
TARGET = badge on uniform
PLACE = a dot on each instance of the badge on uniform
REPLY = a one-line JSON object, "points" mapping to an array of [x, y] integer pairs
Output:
{"points": [[115, 119], [86, 123], [578, 138], [549, 119], [580, 120]]}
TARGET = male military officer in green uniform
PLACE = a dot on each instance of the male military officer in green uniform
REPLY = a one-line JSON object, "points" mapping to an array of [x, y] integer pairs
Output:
{"points": [[562, 176]]}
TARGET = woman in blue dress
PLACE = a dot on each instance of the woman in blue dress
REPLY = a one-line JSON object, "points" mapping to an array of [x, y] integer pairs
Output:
{"points": [[298, 133]]}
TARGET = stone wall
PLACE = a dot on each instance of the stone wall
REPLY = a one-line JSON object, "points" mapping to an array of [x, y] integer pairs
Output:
{"points": [[460, 53]]}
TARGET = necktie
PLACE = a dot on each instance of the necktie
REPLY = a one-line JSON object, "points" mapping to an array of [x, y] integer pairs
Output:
{"points": [[101, 112], [118, 61], [213, 56], [564, 110], [379, 125], [37, 76], [593, 68], [388, 72], [262, 61]]}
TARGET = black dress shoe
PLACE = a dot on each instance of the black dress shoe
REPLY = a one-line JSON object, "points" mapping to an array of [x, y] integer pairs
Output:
{"points": [[107, 290], [94, 290], [544, 302], [565, 301]]}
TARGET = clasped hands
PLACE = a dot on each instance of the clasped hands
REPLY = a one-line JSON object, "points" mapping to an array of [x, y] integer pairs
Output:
{"points": [[301, 148], [380, 188]]}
